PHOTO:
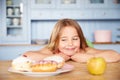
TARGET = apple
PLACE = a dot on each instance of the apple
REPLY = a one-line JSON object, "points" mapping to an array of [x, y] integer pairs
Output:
{"points": [[96, 65]]}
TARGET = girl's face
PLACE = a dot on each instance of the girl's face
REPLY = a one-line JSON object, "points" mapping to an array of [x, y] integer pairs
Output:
{"points": [[69, 42]]}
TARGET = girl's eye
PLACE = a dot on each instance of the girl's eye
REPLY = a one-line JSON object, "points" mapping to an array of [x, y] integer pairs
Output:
{"points": [[75, 38], [63, 39]]}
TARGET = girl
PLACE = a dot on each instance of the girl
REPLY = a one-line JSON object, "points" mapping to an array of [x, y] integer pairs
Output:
{"points": [[67, 40]]}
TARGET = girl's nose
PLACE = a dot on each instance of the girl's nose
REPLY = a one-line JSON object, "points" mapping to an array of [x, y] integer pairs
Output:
{"points": [[70, 42]]}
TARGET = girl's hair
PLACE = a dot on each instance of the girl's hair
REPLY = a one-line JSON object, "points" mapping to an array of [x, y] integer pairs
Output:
{"points": [[54, 39]]}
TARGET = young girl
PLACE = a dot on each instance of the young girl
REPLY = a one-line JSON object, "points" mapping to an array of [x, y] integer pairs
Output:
{"points": [[67, 40]]}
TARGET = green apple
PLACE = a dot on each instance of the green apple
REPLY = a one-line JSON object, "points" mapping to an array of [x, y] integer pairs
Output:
{"points": [[96, 65]]}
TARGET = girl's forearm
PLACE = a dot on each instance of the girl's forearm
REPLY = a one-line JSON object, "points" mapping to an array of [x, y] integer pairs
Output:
{"points": [[109, 55], [36, 55], [81, 57]]}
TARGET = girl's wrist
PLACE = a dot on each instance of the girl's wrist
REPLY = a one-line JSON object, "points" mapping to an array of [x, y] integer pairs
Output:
{"points": [[64, 56]]}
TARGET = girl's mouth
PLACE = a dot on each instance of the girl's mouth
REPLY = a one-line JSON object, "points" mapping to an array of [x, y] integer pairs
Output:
{"points": [[70, 49]]}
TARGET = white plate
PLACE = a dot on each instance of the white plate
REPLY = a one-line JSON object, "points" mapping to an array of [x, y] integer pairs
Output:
{"points": [[66, 68]]}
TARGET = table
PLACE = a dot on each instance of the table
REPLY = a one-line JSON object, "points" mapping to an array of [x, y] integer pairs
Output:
{"points": [[79, 73]]}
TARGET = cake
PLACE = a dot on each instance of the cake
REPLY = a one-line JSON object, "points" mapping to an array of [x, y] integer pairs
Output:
{"points": [[22, 63]]}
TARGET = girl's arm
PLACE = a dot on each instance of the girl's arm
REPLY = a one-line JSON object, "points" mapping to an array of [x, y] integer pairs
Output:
{"points": [[81, 57], [108, 55], [43, 53], [36, 55]]}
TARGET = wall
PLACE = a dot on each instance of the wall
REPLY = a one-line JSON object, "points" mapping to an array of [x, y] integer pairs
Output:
{"points": [[42, 29], [11, 52]]}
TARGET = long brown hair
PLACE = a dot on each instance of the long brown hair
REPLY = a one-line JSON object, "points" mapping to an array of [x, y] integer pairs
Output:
{"points": [[54, 39]]}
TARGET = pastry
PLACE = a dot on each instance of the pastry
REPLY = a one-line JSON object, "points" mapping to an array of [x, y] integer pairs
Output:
{"points": [[60, 61], [22, 64], [49, 64], [44, 66]]}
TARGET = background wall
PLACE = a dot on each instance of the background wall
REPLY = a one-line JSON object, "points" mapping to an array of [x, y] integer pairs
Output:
{"points": [[42, 29]]}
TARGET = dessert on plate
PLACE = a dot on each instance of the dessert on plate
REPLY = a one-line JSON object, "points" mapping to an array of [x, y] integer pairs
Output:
{"points": [[60, 61], [49, 64], [44, 66], [22, 64]]}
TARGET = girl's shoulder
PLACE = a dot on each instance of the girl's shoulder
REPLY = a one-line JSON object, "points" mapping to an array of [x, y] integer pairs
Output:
{"points": [[46, 50], [91, 50]]}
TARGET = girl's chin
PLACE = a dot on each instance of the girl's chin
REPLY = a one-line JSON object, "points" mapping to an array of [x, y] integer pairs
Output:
{"points": [[70, 54]]}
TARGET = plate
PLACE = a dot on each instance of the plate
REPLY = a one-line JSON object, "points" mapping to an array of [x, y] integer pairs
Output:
{"points": [[65, 68]]}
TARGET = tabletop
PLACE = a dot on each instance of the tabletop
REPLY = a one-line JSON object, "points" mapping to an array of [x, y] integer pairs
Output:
{"points": [[79, 72]]}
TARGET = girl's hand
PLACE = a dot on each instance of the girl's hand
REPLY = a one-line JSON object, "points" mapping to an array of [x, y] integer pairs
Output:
{"points": [[64, 56], [81, 57]]}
